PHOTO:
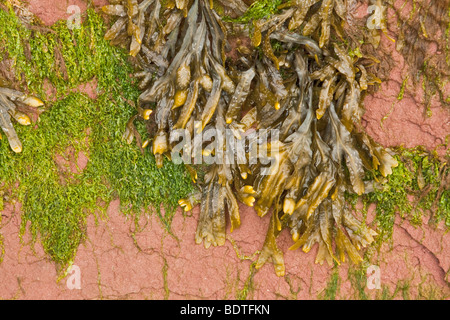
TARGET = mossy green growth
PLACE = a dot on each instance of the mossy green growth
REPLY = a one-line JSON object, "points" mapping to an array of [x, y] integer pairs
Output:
{"points": [[358, 278], [333, 286], [416, 189], [258, 10], [248, 285], [56, 202]]}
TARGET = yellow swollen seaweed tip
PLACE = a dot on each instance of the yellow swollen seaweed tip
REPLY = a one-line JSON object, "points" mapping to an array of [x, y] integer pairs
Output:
{"points": [[17, 149], [289, 206], [249, 201], [185, 204], [146, 114], [248, 189], [180, 98], [23, 119], [33, 102]]}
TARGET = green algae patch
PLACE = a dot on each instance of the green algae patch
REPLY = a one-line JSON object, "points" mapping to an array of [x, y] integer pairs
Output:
{"points": [[57, 202], [417, 190], [332, 289], [258, 10]]}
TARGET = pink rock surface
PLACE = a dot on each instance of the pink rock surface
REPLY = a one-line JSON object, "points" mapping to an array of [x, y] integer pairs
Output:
{"points": [[402, 122], [394, 121], [115, 262], [50, 11], [89, 88]]}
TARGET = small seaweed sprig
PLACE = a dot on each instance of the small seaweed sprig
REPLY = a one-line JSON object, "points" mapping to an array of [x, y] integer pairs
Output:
{"points": [[11, 103]]}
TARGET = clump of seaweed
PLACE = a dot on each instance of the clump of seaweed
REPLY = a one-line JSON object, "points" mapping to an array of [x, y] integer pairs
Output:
{"points": [[14, 104], [299, 80]]}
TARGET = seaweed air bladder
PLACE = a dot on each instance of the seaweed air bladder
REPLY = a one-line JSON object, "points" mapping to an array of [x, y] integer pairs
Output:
{"points": [[297, 80]]}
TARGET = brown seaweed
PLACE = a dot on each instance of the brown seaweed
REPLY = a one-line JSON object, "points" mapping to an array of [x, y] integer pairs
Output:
{"points": [[309, 90]]}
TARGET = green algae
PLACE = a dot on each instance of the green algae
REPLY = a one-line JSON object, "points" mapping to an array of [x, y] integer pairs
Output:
{"points": [[403, 288], [56, 203], [248, 288], [258, 10], [332, 289], [417, 189]]}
